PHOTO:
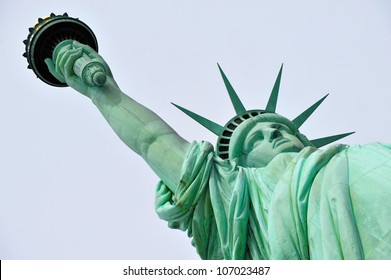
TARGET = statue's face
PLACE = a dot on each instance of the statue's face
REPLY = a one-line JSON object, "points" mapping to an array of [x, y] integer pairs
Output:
{"points": [[268, 139]]}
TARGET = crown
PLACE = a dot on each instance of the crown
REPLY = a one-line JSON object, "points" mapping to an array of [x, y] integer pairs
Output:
{"points": [[243, 116]]}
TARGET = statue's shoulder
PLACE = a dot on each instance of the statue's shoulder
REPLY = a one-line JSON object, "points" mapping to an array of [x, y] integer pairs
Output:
{"points": [[370, 150]]}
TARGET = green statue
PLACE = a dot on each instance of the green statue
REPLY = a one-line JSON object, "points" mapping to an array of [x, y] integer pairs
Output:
{"points": [[265, 191]]}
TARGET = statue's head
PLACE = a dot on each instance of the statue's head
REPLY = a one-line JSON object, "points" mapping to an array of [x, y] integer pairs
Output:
{"points": [[258, 139], [253, 138]]}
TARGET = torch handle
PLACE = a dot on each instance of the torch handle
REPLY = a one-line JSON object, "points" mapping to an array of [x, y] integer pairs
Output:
{"points": [[93, 73]]}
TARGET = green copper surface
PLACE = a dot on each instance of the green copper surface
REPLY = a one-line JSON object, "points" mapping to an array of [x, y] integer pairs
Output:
{"points": [[320, 142], [239, 108], [210, 125], [272, 103], [299, 120], [315, 204], [226, 150], [300, 203]]}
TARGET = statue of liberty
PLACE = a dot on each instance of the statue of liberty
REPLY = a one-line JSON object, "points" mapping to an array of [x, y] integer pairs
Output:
{"points": [[265, 191]]}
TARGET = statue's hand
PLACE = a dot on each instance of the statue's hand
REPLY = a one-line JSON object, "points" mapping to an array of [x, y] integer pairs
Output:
{"points": [[62, 69]]}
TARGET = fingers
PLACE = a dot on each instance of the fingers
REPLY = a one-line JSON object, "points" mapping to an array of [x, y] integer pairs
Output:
{"points": [[50, 65], [92, 54], [87, 50], [70, 61], [62, 58], [65, 64], [52, 70]]}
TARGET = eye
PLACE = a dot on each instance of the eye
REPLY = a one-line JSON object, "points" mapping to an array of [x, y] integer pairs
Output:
{"points": [[255, 138], [282, 127]]}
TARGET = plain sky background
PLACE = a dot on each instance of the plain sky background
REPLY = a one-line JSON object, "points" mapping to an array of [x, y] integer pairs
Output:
{"points": [[70, 189]]}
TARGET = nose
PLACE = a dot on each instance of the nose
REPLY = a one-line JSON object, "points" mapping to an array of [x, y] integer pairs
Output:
{"points": [[273, 134]]}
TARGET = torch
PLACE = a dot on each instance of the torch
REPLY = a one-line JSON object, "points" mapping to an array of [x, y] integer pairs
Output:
{"points": [[53, 35]]}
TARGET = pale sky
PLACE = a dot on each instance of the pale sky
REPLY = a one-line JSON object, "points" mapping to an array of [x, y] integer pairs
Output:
{"points": [[70, 189]]}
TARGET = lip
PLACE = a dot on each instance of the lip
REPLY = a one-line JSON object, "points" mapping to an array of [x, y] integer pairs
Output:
{"points": [[277, 142]]}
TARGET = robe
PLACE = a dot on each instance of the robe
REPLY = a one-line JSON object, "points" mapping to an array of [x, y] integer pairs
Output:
{"points": [[316, 204]]}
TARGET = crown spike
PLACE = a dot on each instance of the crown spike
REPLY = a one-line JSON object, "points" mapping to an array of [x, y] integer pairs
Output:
{"points": [[210, 125], [320, 142], [239, 108], [299, 120], [272, 103]]}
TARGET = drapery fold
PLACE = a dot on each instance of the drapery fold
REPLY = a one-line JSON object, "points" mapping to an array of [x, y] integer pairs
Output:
{"points": [[316, 204]]}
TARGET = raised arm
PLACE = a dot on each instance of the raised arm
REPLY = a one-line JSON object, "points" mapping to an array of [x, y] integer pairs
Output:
{"points": [[138, 127]]}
